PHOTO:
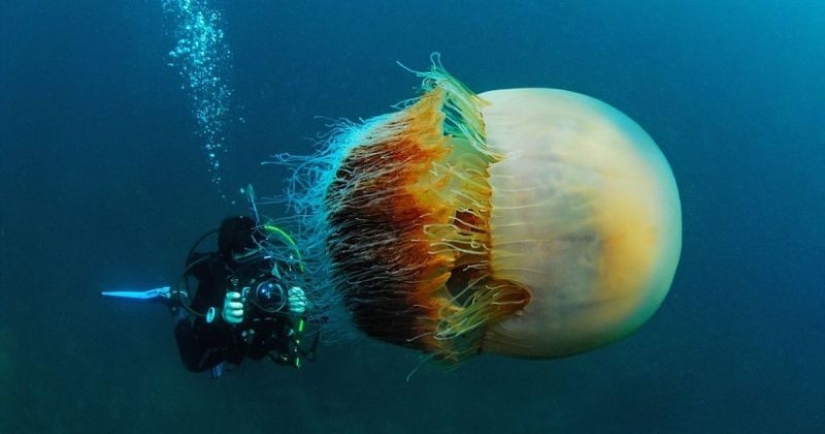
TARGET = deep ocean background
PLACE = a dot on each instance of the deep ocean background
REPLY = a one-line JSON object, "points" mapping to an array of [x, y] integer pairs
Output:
{"points": [[104, 185]]}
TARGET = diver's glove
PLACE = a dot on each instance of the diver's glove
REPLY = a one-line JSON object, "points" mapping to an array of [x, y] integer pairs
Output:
{"points": [[298, 302], [232, 311]]}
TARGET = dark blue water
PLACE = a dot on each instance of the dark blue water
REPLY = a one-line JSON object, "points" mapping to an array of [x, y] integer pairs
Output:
{"points": [[104, 183]]}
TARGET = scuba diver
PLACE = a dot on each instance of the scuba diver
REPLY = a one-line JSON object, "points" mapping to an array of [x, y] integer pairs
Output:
{"points": [[248, 303]]}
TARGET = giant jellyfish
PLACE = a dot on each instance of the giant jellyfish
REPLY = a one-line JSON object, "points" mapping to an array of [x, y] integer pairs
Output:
{"points": [[533, 223]]}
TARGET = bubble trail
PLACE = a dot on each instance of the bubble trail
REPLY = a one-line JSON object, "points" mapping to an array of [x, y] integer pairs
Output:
{"points": [[202, 56]]}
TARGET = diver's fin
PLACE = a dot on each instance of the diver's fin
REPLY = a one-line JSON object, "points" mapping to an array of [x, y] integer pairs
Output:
{"points": [[160, 294]]}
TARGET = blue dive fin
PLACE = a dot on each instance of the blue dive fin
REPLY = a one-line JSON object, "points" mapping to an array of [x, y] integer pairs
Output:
{"points": [[163, 292]]}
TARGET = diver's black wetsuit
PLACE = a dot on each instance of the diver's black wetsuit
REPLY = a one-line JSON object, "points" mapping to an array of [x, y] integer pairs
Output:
{"points": [[204, 345]]}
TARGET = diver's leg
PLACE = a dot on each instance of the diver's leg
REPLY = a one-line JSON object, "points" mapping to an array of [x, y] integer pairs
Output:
{"points": [[195, 355]]}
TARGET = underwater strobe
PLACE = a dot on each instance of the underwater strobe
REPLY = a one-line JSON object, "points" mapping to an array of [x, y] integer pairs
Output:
{"points": [[534, 223]]}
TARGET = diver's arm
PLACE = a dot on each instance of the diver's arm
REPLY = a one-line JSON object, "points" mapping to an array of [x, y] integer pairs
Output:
{"points": [[210, 272]]}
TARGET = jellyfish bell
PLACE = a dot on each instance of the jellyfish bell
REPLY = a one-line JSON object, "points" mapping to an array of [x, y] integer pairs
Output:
{"points": [[586, 215], [533, 223]]}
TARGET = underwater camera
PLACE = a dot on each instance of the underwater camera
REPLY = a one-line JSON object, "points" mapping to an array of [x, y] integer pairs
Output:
{"points": [[269, 295]]}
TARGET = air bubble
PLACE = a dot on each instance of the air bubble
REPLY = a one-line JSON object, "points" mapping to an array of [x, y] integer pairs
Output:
{"points": [[201, 55]]}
